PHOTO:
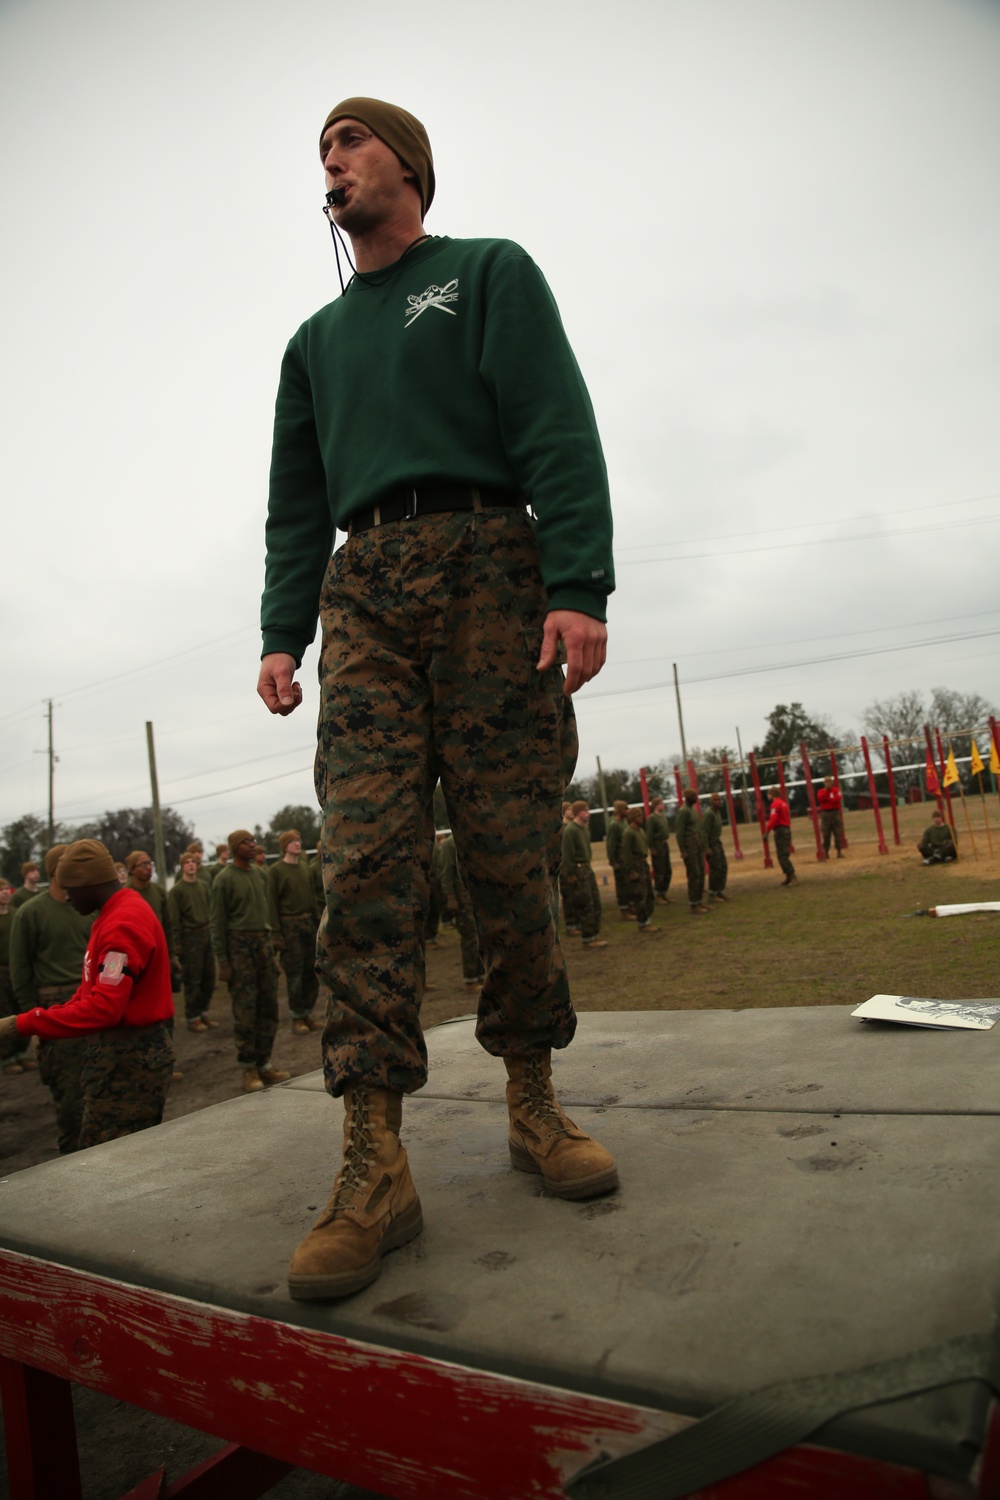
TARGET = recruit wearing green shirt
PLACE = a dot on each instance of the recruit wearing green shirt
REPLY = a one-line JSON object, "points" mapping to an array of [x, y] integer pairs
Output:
{"points": [[687, 827], [47, 943], [239, 904], [613, 840], [657, 830], [711, 826], [576, 849], [22, 896], [155, 898], [188, 905], [635, 849], [290, 892]]}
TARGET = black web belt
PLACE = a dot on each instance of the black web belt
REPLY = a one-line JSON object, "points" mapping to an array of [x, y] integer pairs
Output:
{"points": [[431, 499]]}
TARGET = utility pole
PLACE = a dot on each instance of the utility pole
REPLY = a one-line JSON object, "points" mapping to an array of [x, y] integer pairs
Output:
{"points": [[680, 716], [743, 777], [52, 767], [604, 795], [158, 844]]}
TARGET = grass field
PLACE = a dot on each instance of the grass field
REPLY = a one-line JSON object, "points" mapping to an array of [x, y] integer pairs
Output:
{"points": [[838, 936]]}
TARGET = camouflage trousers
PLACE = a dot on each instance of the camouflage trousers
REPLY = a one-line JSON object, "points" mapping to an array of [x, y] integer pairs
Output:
{"points": [[60, 1063], [298, 959], [253, 992], [831, 828], [694, 864], [465, 926], [783, 849], [431, 632], [718, 867], [198, 970], [435, 906], [621, 888], [581, 901], [125, 1077], [662, 868], [640, 891]]}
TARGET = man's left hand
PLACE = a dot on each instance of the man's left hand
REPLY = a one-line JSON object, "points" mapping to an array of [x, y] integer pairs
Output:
{"points": [[8, 1029], [586, 646]]}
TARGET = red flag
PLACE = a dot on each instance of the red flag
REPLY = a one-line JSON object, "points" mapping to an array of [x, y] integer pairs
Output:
{"points": [[645, 789], [933, 786]]}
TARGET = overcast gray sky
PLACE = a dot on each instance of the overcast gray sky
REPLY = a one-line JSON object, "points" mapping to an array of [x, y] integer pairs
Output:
{"points": [[773, 229]]}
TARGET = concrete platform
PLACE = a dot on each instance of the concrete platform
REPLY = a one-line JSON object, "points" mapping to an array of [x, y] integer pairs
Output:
{"points": [[802, 1193]]}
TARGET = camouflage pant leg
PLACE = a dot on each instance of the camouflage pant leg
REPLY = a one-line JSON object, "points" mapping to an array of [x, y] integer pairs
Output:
{"points": [[465, 923], [569, 890], [17, 1046], [640, 889], [435, 906], [253, 991], [662, 870], [298, 959], [622, 888], [718, 866], [830, 828], [694, 864], [59, 1066], [783, 849], [431, 631], [198, 969], [125, 1078], [590, 905]]}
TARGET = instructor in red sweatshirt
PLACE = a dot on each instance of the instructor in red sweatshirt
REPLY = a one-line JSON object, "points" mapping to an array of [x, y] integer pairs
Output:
{"points": [[123, 1006]]}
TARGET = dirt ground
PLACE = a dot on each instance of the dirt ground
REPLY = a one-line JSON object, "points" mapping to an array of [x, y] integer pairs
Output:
{"points": [[842, 933]]}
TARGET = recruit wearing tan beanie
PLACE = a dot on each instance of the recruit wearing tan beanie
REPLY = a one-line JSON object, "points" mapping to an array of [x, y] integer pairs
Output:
{"points": [[579, 807], [236, 838], [52, 859], [135, 858], [284, 839], [86, 862], [402, 133], [30, 865]]}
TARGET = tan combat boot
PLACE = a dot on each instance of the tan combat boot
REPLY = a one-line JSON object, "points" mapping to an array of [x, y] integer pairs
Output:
{"points": [[373, 1208], [544, 1140]]}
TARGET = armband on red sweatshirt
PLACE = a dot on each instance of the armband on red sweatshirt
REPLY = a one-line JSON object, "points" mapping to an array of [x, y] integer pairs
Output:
{"points": [[126, 976]]}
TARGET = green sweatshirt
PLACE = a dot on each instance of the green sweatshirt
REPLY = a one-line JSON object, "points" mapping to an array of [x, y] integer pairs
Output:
{"points": [[687, 827], [711, 826], [658, 831], [290, 892], [634, 850], [449, 367], [155, 898], [613, 840], [188, 905], [239, 904], [47, 943], [21, 897], [6, 923]]}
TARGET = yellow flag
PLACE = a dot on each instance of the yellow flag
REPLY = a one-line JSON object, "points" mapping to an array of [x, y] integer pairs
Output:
{"points": [[994, 758], [977, 760], [950, 769]]}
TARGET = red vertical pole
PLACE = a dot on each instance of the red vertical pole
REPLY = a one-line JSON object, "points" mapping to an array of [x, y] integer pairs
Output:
{"points": [[759, 796], [892, 787], [645, 790], [813, 811], [693, 778], [41, 1433], [947, 793], [784, 793], [680, 789], [737, 851], [930, 762], [995, 742], [883, 848], [836, 781]]}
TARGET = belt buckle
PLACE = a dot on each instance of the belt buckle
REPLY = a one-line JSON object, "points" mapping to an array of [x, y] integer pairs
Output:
{"points": [[411, 504]]}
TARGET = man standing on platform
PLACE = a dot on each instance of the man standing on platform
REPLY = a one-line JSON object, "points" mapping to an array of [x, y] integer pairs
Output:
{"points": [[780, 824], [294, 916], [188, 906], [423, 412], [831, 822], [658, 838], [687, 831], [711, 834], [244, 952], [47, 946]]}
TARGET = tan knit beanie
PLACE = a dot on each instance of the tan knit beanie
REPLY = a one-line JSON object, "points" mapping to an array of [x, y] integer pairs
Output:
{"points": [[135, 858], [402, 133], [236, 838], [284, 839], [52, 859], [86, 862]]}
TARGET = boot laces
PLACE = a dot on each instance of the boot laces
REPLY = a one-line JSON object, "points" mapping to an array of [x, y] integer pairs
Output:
{"points": [[538, 1099], [359, 1151]]}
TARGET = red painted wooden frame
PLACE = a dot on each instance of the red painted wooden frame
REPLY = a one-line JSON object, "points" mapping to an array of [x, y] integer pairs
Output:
{"points": [[406, 1425]]}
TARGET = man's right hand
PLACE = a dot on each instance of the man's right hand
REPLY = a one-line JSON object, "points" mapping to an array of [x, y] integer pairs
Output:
{"points": [[280, 694]]}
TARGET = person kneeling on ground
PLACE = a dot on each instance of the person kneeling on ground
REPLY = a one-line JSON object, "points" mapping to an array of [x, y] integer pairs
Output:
{"points": [[937, 846], [123, 1006]]}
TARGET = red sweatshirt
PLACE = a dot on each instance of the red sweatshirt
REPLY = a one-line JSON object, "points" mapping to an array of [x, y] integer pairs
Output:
{"points": [[829, 799], [126, 976], [780, 816]]}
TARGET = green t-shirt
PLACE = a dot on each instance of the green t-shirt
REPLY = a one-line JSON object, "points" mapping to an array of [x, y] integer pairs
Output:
{"points": [[239, 904], [188, 905], [449, 367], [575, 847], [290, 892], [47, 943]]}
